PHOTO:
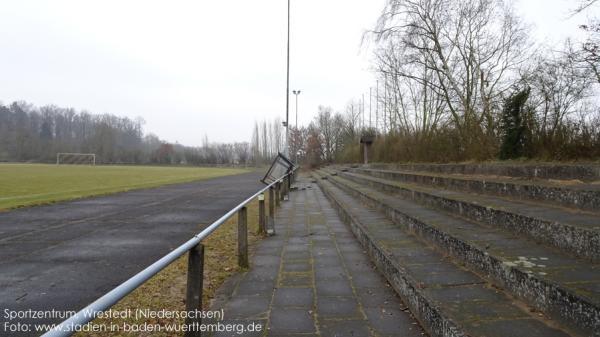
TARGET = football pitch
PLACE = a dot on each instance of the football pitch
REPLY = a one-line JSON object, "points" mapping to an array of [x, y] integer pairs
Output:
{"points": [[34, 184]]}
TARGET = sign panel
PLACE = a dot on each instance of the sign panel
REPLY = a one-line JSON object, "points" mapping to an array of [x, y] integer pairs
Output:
{"points": [[281, 166]]}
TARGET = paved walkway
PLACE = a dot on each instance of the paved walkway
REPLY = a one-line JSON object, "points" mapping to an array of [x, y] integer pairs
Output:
{"points": [[313, 279]]}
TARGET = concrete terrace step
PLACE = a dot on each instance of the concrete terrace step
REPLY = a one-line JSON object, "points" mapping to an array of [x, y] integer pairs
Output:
{"points": [[574, 231], [577, 195], [562, 286], [583, 172], [448, 299]]}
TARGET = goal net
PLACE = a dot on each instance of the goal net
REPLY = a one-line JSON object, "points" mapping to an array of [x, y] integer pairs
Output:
{"points": [[75, 158]]}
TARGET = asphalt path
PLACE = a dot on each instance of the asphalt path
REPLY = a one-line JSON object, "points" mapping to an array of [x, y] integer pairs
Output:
{"points": [[63, 256]]}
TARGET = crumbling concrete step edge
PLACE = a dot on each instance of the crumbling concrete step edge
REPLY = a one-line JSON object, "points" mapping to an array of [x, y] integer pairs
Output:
{"points": [[583, 172], [563, 196], [429, 315], [575, 240]]}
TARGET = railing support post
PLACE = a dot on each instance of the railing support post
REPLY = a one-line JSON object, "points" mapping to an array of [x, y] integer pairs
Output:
{"points": [[287, 187], [277, 194], [262, 223], [271, 219], [282, 189], [243, 237], [195, 277]]}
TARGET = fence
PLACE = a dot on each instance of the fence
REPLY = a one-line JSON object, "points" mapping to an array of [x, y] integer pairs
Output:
{"points": [[278, 189]]}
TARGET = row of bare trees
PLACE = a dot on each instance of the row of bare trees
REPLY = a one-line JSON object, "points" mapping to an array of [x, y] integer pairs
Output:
{"points": [[30, 134], [462, 80], [446, 70], [327, 138], [268, 139], [448, 66]]}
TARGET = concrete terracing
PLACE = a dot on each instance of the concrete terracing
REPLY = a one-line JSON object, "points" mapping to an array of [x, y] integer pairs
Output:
{"points": [[572, 193], [584, 172], [479, 259]]}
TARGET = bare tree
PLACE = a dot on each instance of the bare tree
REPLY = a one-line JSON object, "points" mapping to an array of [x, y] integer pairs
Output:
{"points": [[314, 145], [559, 88], [331, 127], [255, 144], [590, 50], [297, 143], [583, 5], [242, 152], [470, 51], [352, 117], [412, 99]]}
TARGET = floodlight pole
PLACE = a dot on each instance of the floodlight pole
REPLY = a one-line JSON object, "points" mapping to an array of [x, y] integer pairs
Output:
{"points": [[370, 105], [296, 92], [363, 111], [377, 106], [287, 90]]}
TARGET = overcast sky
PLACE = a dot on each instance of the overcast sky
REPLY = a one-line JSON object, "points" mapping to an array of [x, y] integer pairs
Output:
{"points": [[190, 68]]}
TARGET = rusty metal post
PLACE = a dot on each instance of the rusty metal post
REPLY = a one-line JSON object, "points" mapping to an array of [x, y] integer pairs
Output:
{"points": [[195, 277], [271, 202], [271, 219], [282, 191], [243, 237], [286, 188], [262, 223]]}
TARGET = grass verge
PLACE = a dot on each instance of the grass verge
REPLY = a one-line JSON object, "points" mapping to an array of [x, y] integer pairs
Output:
{"points": [[166, 290]]}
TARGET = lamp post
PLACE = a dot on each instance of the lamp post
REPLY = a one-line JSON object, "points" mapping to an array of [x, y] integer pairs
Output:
{"points": [[296, 92], [287, 89]]}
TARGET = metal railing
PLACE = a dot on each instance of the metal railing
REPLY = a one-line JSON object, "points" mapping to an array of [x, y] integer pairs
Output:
{"points": [[277, 191]]}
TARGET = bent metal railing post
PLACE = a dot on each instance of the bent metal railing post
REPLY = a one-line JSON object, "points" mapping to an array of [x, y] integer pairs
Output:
{"points": [[195, 269]]}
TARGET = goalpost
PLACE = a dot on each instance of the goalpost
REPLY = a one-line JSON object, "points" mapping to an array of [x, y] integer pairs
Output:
{"points": [[64, 158]]}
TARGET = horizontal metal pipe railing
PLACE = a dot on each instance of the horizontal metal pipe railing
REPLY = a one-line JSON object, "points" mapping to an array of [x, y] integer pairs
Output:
{"points": [[87, 314]]}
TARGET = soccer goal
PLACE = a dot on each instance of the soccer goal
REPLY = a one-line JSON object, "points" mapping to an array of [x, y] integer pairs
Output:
{"points": [[63, 158]]}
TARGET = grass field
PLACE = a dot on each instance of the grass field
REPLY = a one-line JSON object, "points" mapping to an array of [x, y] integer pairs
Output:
{"points": [[34, 184]]}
